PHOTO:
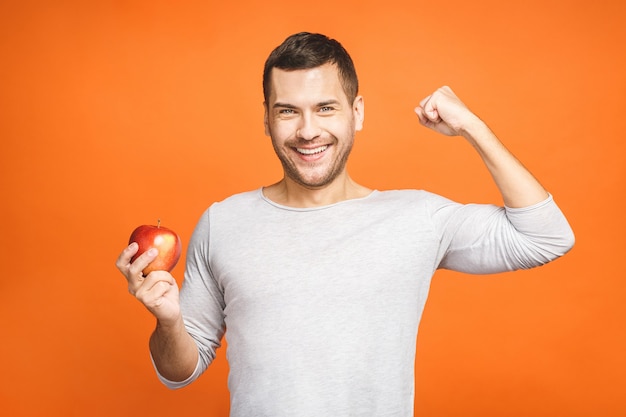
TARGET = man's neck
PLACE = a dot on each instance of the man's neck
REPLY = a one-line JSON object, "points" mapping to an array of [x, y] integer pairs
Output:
{"points": [[291, 194]]}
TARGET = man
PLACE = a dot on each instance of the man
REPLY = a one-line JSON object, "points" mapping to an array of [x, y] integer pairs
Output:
{"points": [[320, 281]]}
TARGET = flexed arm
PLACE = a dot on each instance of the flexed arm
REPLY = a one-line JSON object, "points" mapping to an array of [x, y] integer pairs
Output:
{"points": [[445, 113]]}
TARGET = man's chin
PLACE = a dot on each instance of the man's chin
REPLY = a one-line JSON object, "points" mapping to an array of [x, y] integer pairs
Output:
{"points": [[313, 182]]}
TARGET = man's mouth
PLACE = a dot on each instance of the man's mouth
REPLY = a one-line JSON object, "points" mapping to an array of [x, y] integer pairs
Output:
{"points": [[313, 151]]}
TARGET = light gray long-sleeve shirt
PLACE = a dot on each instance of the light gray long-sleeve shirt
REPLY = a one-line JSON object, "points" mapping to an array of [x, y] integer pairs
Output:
{"points": [[321, 306]]}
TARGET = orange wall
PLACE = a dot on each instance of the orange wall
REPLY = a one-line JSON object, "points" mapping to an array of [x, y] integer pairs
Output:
{"points": [[114, 114]]}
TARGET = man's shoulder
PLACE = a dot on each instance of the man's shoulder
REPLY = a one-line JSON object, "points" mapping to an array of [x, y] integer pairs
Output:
{"points": [[241, 197]]}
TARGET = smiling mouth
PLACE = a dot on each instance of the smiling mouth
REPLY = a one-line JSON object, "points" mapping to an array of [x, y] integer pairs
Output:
{"points": [[313, 151]]}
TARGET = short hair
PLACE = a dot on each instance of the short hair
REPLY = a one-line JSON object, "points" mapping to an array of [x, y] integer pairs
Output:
{"points": [[306, 50]]}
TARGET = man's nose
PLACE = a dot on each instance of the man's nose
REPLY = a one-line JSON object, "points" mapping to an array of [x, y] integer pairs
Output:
{"points": [[309, 128]]}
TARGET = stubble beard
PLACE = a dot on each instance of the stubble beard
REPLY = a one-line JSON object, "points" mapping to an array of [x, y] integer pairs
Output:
{"points": [[295, 174]]}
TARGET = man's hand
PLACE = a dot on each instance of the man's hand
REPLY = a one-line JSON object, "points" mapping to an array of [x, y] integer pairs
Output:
{"points": [[443, 112], [158, 291]]}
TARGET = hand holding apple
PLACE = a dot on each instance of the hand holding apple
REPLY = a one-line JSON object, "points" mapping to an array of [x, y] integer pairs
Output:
{"points": [[166, 241]]}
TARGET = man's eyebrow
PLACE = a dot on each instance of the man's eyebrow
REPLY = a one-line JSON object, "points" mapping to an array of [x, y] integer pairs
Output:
{"points": [[291, 106], [283, 105]]}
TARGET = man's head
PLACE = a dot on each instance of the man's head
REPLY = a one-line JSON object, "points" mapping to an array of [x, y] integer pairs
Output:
{"points": [[311, 108], [310, 50]]}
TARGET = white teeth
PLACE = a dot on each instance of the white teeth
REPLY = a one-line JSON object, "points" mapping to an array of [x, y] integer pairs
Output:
{"points": [[312, 151]]}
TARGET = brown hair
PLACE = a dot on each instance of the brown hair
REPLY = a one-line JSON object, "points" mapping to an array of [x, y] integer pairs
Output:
{"points": [[306, 50]]}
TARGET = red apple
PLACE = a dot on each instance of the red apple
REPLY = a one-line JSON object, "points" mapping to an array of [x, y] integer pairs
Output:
{"points": [[165, 240]]}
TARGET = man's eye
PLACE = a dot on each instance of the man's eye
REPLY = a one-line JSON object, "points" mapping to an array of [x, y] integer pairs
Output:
{"points": [[326, 109], [286, 111]]}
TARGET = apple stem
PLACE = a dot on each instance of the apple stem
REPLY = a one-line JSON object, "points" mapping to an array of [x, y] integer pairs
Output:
{"points": [[158, 223]]}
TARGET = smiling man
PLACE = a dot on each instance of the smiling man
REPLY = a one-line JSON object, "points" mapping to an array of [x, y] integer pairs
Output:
{"points": [[312, 119], [319, 283]]}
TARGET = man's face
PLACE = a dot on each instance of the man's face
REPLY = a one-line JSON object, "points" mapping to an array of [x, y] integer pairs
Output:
{"points": [[311, 123]]}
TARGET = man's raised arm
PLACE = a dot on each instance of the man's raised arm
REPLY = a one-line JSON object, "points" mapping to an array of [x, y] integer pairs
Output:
{"points": [[445, 113]]}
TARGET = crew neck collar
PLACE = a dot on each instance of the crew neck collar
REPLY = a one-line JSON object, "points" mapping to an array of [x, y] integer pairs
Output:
{"points": [[315, 208]]}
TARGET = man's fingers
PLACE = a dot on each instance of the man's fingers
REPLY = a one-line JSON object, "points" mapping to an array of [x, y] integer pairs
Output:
{"points": [[154, 288], [429, 108], [123, 261], [142, 261], [443, 112], [421, 115], [133, 271], [426, 119], [433, 115]]}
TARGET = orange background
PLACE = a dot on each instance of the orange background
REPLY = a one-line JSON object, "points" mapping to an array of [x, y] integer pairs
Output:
{"points": [[114, 114]]}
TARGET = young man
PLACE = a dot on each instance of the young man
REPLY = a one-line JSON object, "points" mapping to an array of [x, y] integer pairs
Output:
{"points": [[320, 281]]}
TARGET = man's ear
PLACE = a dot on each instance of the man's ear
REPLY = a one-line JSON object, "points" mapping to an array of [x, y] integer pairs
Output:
{"points": [[358, 107], [266, 119]]}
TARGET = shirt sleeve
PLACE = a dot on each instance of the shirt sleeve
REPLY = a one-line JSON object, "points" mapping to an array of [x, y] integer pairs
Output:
{"points": [[484, 239]]}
